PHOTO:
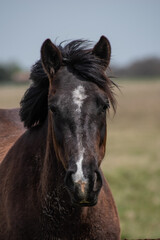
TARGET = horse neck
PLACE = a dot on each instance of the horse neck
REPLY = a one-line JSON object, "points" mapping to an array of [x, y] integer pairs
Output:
{"points": [[53, 173]]}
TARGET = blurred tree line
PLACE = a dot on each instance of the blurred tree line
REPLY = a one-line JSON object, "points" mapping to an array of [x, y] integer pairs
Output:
{"points": [[8, 70], [12, 72], [148, 68]]}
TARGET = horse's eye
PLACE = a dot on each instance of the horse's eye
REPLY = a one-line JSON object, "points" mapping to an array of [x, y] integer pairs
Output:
{"points": [[53, 108], [105, 106]]}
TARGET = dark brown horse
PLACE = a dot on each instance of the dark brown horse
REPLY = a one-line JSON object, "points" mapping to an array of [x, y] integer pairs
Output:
{"points": [[51, 184]]}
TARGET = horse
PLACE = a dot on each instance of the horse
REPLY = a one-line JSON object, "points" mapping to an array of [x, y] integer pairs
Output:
{"points": [[51, 183], [10, 129]]}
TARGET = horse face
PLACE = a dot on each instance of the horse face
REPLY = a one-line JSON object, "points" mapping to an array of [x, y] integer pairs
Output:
{"points": [[78, 111]]}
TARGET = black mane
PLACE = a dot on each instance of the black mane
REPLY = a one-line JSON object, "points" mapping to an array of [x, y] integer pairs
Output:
{"points": [[80, 60]]}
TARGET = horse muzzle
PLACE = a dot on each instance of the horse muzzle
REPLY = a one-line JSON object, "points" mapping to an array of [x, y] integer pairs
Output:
{"points": [[84, 192]]}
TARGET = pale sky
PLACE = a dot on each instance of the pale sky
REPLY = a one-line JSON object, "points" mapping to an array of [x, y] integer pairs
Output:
{"points": [[132, 26]]}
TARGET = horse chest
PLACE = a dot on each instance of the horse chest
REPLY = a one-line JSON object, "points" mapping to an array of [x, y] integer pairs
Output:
{"points": [[57, 217], [61, 221]]}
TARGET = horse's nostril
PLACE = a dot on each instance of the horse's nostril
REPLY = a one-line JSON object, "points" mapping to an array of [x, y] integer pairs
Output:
{"points": [[97, 181], [68, 180]]}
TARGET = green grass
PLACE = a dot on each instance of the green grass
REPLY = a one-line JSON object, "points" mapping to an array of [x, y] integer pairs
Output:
{"points": [[132, 162], [137, 197]]}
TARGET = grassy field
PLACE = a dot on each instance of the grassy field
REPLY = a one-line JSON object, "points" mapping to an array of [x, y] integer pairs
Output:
{"points": [[132, 162]]}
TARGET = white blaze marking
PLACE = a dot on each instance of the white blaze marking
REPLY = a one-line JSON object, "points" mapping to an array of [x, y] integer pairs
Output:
{"points": [[78, 98]]}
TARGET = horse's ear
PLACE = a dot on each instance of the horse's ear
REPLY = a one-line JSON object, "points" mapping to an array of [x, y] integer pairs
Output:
{"points": [[103, 50], [51, 57]]}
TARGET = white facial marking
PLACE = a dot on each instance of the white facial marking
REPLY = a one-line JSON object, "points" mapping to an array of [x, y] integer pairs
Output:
{"points": [[78, 99]]}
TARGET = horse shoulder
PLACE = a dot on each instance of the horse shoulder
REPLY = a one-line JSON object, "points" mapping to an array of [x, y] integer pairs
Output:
{"points": [[19, 174], [10, 129]]}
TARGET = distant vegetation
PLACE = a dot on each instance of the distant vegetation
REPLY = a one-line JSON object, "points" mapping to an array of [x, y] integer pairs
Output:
{"points": [[146, 68], [149, 67], [12, 72], [8, 70]]}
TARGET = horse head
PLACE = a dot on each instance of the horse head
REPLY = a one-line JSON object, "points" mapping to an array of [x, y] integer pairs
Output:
{"points": [[78, 99]]}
